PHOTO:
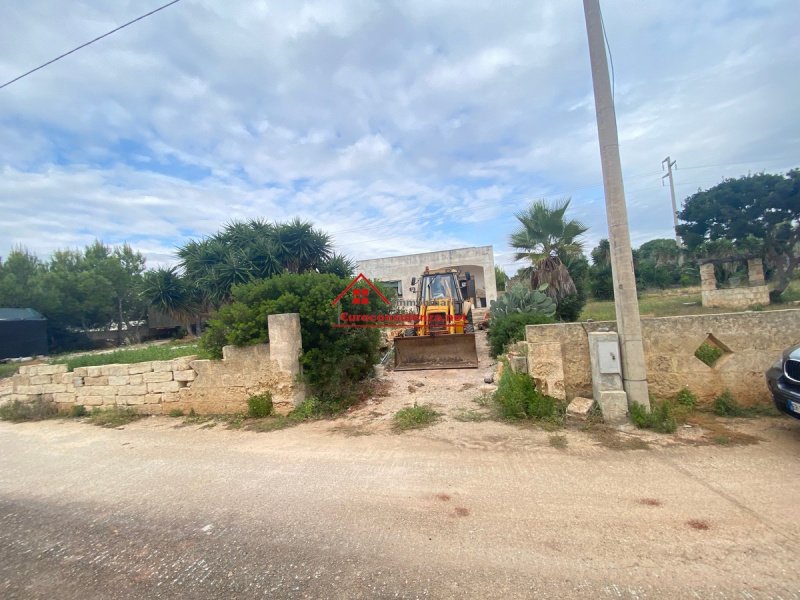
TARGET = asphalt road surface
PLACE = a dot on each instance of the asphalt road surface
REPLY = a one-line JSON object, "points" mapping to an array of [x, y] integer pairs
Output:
{"points": [[154, 511]]}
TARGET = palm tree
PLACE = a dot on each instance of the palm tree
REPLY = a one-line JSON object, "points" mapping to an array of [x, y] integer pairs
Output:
{"points": [[546, 235], [166, 291]]}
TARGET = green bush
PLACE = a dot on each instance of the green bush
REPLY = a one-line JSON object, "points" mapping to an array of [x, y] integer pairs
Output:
{"points": [[686, 398], [660, 417], [176, 412], [510, 328], [259, 406], [708, 353], [725, 405], [113, 417], [570, 307], [77, 410], [18, 412], [517, 398], [334, 359]]}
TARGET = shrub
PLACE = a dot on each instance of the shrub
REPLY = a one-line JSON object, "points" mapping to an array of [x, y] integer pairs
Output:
{"points": [[259, 406], [176, 412], [415, 417], [570, 307], [37, 410], [725, 405], [686, 398], [307, 409], [659, 419], [334, 359], [517, 398], [510, 328], [113, 417], [77, 410]]}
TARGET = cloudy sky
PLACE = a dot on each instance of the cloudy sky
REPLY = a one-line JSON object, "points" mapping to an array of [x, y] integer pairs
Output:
{"points": [[397, 126]]}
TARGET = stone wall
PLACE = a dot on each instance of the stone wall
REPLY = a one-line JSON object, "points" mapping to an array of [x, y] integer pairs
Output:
{"points": [[558, 355], [185, 383], [740, 297]]}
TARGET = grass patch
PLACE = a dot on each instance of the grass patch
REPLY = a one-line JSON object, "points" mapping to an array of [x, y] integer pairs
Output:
{"points": [[558, 441], [17, 411], [517, 398], [8, 369], [467, 416], [725, 405], [660, 418], [415, 417], [176, 412], [656, 304], [136, 355], [708, 353], [77, 410], [113, 417]]}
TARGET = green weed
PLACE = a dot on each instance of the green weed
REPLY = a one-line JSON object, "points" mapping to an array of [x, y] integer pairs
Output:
{"points": [[415, 417], [113, 417]]}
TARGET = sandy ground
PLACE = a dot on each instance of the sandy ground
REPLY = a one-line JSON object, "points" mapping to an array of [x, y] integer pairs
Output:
{"points": [[350, 509]]}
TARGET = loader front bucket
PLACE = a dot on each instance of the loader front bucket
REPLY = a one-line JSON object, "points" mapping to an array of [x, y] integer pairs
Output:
{"points": [[451, 351]]}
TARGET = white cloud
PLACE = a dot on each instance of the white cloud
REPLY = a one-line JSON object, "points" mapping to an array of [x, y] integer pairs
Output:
{"points": [[398, 127]]}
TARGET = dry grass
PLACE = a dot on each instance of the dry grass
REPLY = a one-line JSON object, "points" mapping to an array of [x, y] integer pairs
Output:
{"points": [[698, 524]]}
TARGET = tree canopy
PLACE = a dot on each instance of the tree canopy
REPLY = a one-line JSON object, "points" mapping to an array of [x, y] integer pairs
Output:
{"points": [[754, 213]]}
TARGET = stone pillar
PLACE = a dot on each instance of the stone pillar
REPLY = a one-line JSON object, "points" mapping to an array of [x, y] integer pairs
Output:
{"points": [[546, 368], [755, 271], [285, 347], [607, 387], [708, 281]]}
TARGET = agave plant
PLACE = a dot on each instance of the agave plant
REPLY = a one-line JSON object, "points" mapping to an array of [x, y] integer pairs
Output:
{"points": [[520, 298]]}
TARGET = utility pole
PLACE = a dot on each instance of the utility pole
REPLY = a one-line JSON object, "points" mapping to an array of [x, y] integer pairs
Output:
{"points": [[670, 164], [626, 304]]}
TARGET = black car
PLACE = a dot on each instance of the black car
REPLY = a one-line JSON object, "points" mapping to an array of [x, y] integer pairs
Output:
{"points": [[783, 380]]}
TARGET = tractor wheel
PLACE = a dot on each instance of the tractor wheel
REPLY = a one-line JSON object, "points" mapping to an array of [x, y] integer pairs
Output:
{"points": [[410, 332], [468, 328]]}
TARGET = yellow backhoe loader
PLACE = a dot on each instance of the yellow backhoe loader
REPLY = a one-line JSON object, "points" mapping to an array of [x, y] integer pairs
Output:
{"points": [[443, 337]]}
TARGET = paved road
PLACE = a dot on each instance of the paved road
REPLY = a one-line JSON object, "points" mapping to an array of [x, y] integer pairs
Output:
{"points": [[157, 512]]}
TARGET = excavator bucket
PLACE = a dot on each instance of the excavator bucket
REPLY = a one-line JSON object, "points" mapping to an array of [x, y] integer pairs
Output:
{"points": [[452, 351]]}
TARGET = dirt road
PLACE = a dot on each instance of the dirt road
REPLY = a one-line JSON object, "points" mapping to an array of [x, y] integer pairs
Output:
{"points": [[482, 510]]}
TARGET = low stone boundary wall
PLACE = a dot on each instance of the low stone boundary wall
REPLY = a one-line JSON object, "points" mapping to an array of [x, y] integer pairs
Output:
{"points": [[558, 354], [185, 383]]}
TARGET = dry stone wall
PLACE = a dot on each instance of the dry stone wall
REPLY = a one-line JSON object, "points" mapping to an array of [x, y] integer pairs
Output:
{"points": [[185, 383], [558, 354], [155, 387]]}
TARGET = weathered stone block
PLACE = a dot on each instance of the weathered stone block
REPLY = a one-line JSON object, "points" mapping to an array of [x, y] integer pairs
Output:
{"points": [[64, 397], [579, 407], [31, 390], [139, 368], [95, 371], [95, 380], [52, 388], [132, 390], [24, 370], [160, 366], [130, 400], [183, 363], [80, 371], [163, 386], [136, 379], [115, 370], [158, 377], [91, 400], [614, 405], [187, 375], [119, 379], [40, 379], [152, 399], [48, 369]]}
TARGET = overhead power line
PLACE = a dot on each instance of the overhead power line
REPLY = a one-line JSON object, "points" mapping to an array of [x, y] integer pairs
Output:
{"points": [[57, 58]]}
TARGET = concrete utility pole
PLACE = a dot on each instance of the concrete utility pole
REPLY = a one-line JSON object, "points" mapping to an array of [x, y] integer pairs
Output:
{"points": [[626, 304], [670, 164]]}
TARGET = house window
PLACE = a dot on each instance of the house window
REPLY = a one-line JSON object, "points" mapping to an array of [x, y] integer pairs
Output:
{"points": [[394, 286]]}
